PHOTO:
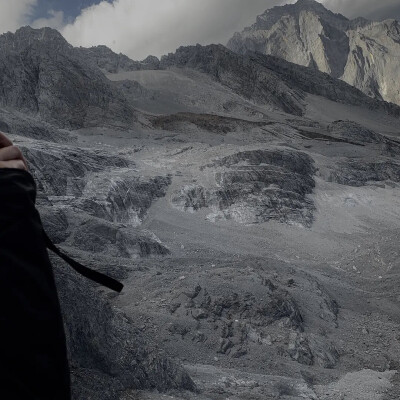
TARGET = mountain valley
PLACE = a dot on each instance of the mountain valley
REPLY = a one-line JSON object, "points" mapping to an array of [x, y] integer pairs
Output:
{"points": [[250, 206]]}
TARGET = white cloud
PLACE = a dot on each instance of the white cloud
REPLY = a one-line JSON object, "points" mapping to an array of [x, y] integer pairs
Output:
{"points": [[142, 27], [15, 13], [54, 20]]}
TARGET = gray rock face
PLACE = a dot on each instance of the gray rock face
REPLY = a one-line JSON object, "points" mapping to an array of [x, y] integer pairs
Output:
{"points": [[308, 350], [256, 186], [18, 123], [360, 52], [247, 314], [109, 355], [269, 80], [100, 196], [240, 317], [358, 134], [251, 80], [321, 84], [357, 172], [207, 122], [59, 169], [105, 59], [114, 240], [42, 74], [355, 132]]}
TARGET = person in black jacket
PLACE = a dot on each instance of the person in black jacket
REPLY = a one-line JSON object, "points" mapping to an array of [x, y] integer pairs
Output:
{"points": [[33, 356]]}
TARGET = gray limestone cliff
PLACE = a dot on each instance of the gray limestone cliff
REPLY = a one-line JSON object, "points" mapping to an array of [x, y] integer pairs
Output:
{"points": [[362, 53]]}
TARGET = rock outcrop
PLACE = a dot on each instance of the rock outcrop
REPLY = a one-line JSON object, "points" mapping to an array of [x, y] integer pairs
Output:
{"points": [[108, 61], [250, 80], [359, 134], [96, 200], [270, 81], [318, 83], [109, 354], [237, 314], [356, 172], [362, 53], [256, 186], [41, 74]]}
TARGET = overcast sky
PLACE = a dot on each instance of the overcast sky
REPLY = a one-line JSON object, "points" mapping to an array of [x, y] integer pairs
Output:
{"points": [[142, 27]]}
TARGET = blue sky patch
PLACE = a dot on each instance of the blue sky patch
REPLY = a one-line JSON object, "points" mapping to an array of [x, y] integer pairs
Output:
{"points": [[71, 8]]}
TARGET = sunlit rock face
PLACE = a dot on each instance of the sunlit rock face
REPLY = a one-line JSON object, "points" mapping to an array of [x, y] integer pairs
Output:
{"points": [[362, 53], [256, 186]]}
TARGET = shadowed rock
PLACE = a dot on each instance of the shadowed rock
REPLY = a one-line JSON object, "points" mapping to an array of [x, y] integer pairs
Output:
{"points": [[113, 240], [109, 355], [353, 131], [239, 318], [250, 80], [20, 124], [41, 73], [269, 80], [93, 201], [309, 350], [60, 170], [256, 186], [321, 84], [105, 59], [207, 122], [361, 173], [349, 130]]}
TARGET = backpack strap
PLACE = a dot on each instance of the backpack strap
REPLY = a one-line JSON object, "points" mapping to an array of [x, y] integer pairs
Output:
{"points": [[91, 274]]}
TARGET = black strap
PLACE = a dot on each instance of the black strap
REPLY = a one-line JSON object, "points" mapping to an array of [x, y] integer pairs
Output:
{"points": [[85, 271]]}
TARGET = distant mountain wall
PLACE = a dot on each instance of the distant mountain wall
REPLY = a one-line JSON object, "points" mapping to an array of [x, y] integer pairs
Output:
{"points": [[363, 53]]}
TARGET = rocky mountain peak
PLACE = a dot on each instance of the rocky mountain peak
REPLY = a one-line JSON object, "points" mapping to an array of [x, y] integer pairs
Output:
{"points": [[309, 3], [27, 36], [319, 9], [362, 53], [42, 74], [289, 11]]}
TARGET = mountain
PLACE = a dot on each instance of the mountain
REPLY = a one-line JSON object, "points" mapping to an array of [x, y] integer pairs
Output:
{"points": [[270, 80], [249, 204], [41, 74], [362, 53], [108, 61]]}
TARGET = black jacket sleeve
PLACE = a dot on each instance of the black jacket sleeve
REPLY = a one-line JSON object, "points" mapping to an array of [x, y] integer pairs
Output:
{"points": [[33, 360]]}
